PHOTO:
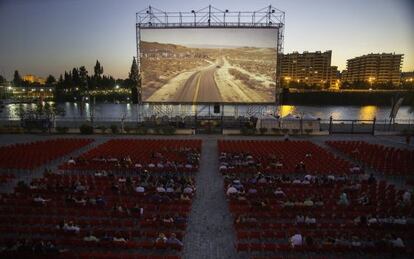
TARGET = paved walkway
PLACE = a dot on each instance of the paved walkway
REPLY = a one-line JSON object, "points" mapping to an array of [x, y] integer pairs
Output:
{"points": [[210, 232]]}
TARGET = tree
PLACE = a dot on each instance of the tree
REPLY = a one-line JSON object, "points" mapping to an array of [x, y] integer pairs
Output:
{"points": [[17, 79], [83, 78], [2, 79], [75, 77], [98, 69], [135, 82], [50, 80]]}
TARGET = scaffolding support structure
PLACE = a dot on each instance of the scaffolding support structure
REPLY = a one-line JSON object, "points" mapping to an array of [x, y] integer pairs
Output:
{"points": [[212, 17]]}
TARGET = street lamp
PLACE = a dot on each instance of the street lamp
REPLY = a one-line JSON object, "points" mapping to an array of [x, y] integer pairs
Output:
{"points": [[195, 21], [371, 81], [117, 87]]}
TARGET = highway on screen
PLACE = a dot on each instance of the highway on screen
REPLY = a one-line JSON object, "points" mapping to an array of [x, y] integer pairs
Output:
{"points": [[200, 86]]}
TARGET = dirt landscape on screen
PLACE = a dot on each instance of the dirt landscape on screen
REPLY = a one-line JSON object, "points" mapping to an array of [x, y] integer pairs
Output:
{"points": [[176, 73]]}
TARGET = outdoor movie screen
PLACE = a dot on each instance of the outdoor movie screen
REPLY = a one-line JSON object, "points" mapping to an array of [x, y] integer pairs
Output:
{"points": [[214, 65]]}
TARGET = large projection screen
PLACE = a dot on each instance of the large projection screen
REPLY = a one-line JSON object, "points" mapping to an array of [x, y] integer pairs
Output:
{"points": [[208, 65]]}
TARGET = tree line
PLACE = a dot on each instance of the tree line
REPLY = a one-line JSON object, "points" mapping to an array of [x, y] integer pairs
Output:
{"points": [[77, 82]]}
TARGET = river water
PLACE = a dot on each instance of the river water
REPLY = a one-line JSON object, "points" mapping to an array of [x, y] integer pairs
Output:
{"points": [[112, 111]]}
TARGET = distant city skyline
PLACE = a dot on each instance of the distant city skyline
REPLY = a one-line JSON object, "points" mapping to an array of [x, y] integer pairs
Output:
{"points": [[48, 37]]}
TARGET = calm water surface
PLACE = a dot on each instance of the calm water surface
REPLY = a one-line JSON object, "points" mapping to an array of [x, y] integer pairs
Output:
{"points": [[112, 111]]}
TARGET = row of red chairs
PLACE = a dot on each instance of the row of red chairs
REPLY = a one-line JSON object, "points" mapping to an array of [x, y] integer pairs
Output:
{"points": [[387, 160], [35, 154], [141, 151], [289, 153]]}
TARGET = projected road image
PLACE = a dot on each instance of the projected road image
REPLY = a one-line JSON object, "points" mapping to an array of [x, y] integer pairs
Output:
{"points": [[208, 65]]}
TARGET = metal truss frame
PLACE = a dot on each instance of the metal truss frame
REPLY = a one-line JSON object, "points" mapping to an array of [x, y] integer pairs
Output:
{"points": [[212, 17]]}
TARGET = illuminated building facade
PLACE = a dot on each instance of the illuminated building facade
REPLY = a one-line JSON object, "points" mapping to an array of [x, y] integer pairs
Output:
{"points": [[310, 68], [374, 68]]}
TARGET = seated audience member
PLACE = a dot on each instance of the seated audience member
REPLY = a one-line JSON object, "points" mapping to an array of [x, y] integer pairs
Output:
{"points": [[400, 221], [372, 220], [309, 220], [289, 203], [51, 248], [140, 189], [318, 202], [100, 200], [184, 197], [38, 199], [252, 190], [355, 169], [71, 161], [107, 237], [396, 242], [363, 199], [160, 189], [173, 240], [90, 238], [407, 197], [296, 240], [308, 202], [361, 220], [371, 179], [231, 190], [70, 227], [119, 238], [343, 199], [300, 219], [279, 192], [188, 189], [161, 239], [80, 201], [138, 209], [168, 219]]}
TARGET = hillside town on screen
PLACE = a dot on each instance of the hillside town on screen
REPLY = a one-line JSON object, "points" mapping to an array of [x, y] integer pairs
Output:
{"points": [[207, 73]]}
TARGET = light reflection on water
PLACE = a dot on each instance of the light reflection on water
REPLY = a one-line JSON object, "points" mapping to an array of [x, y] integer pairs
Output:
{"points": [[129, 111], [367, 112]]}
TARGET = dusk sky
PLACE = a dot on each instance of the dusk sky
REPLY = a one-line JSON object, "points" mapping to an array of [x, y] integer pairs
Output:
{"points": [[44, 37]]}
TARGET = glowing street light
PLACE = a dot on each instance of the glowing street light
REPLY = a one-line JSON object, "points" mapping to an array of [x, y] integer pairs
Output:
{"points": [[117, 87]]}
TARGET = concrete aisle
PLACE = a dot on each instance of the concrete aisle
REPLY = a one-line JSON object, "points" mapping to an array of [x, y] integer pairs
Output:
{"points": [[210, 232]]}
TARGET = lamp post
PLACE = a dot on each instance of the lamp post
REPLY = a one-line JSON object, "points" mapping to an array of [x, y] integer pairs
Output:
{"points": [[371, 80], [224, 20], [193, 12]]}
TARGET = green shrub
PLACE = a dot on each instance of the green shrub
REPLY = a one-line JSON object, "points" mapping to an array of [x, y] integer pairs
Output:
{"points": [[251, 131], [127, 129], [285, 131], [102, 128], [86, 129], [308, 131], [156, 130], [114, 129], [276, 131], [263, 130], [295, 131], [168, 130], [62, 130], [142, 130]]}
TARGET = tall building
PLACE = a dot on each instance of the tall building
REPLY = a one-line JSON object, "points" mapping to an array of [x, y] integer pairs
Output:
{"points": [[34, 79], [311, 68], [374, 68], [407, 77]]}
